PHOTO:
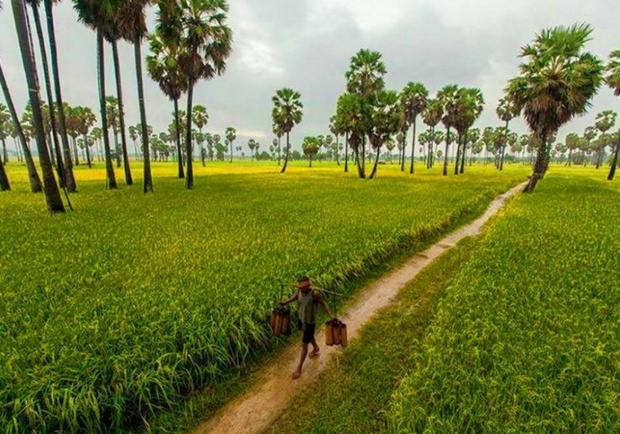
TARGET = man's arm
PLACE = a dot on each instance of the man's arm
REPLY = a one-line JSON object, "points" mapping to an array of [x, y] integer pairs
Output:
{"points": [[317, 296], [290, 300]]}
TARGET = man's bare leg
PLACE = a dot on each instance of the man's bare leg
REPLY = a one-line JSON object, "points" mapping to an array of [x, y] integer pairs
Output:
{"points": [[315, 349], [302, 358]]}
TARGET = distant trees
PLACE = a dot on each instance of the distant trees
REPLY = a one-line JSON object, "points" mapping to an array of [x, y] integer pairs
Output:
{"points": [[286, 113]]}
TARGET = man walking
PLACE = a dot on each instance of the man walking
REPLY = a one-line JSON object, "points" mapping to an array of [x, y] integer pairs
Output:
{"points": [[308, 300]]}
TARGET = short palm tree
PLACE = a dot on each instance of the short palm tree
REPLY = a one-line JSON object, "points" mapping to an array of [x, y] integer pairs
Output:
{"points": [[200, 118], [231, 135], [414, 99], [350, 122], [470, 105], [86, 120], [449, 97], [50, 187], [605, 121], [612, 78], [506, 111], [556, 83], [386, 120], [286, 113], [432, 116]]}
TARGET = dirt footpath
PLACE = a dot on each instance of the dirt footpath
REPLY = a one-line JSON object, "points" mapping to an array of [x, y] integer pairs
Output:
{"points": [[255, 411]]}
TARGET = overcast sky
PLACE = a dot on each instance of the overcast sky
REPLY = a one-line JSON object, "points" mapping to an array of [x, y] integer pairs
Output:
{"points": [[307, 45]]}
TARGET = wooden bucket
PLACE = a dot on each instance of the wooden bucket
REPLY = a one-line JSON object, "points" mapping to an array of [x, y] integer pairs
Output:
{"points": [[343, 335], [329, 335], [286, 321], [336, 332]]}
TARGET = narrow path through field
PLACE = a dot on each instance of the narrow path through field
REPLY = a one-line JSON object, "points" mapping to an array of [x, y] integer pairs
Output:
{"points": [[255, 411]]}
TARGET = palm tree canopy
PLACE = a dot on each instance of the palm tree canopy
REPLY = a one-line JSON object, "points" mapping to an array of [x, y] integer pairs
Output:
{"points": [[605, 121], [433, 113], [287, 109], [558, 80], [231, 134], [449, 97], [200, 116], [506, 110], [201, 27], [414, 99], [386, 117], [612, 77], [365, 74]]}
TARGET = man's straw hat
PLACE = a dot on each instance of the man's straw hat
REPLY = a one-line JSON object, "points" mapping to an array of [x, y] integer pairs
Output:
{"points": [[303, 283]]}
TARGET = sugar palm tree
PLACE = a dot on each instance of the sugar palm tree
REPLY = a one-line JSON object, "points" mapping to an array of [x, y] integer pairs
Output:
{"points": [[65, 172], [253, 145], [286, 113], [365, 79], [506, 111], [386, 120], [310, 148], [449, 96], [111, 106], [556, 83], [469, 108], [200, 118], [99, 17], [350, 122], [612, 78], [432, 116], [62, 128], [50, 187], [201, 27], [414, 99], [604, 122], [86, 120], [131, 20], [163, 66], [231, 135]]}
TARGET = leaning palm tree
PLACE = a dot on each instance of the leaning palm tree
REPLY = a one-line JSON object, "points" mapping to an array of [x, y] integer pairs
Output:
{"points": [[50, 187], [231, 135], [612, 78], [163, 66], [506, 111], [557, 82], [65, 172], [98, 17], [201, 27], [286, 113], [414, 99], [449, 97], [200, 118], [432, 116], [62, 127]]}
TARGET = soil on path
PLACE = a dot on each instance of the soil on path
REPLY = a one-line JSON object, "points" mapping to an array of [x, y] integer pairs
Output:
{"points": [[255, 411]]}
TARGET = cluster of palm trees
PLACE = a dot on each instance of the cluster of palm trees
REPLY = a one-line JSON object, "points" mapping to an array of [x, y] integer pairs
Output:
{"points": [[191, 43]]}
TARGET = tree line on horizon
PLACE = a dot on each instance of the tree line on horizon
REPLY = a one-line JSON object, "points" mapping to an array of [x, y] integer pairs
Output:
{"points": [[191, 42]]}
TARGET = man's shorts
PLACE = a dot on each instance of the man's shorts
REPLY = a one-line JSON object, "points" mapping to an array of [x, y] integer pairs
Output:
{"points": [[308, 331]]}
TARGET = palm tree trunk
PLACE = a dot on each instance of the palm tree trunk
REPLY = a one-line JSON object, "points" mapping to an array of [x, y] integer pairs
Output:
{"points": [[148, 179], [87, 152], [346, 152], [362, 167], [539, 165], [110, 176], [121, 112], [68, 164], [462, 170], [5, 185], [33, 176], [373, 173], [458, 153], [75, 151], [445, 157], [286, 154], [5, 155], [50, 187], [50, 100], [337, 151], [189, 180], [230, 143], [177, 135], [614, 162], [411, 168]]}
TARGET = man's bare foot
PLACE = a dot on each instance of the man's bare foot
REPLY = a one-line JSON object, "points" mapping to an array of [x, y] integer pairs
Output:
{"points": [[314, 354], [296, 374]]}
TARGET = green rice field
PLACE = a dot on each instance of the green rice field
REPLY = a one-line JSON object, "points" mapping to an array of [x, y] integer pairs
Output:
{"points": [[116, 311]]}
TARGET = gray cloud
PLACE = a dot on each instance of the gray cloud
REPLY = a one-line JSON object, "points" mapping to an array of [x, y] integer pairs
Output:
{"points": [[307, 45]]}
